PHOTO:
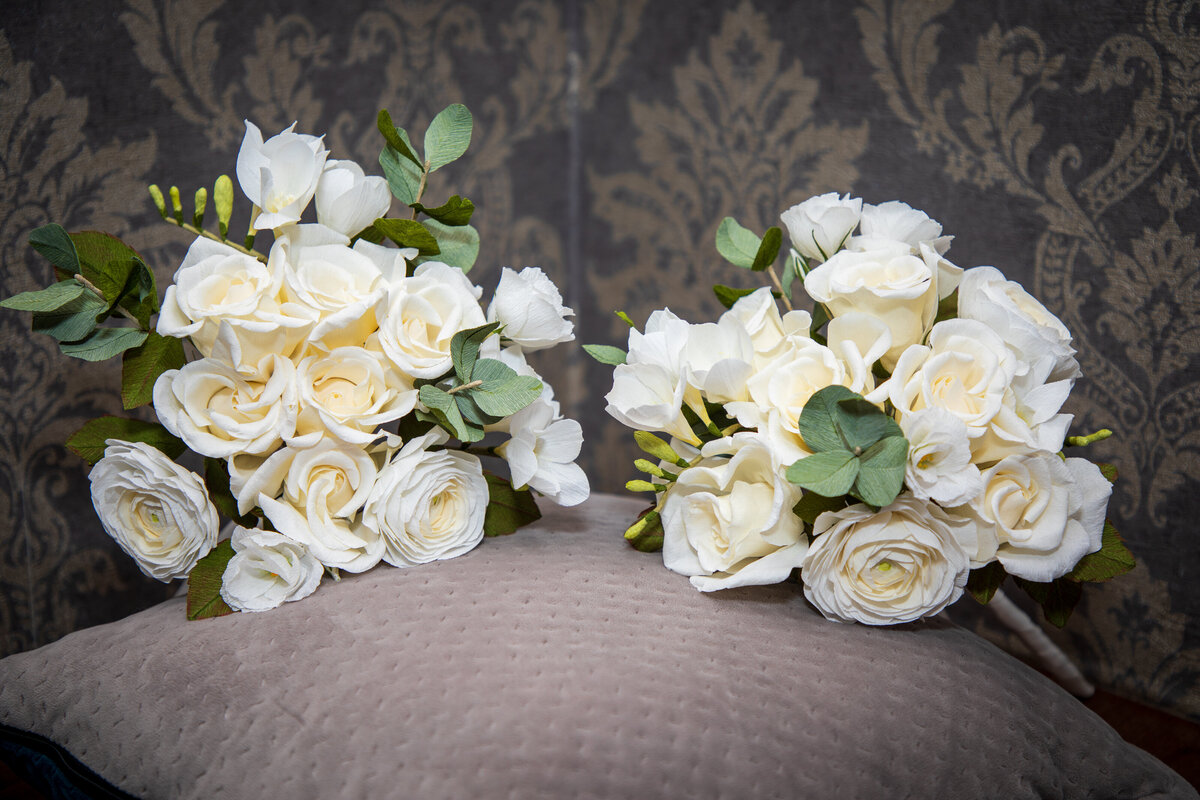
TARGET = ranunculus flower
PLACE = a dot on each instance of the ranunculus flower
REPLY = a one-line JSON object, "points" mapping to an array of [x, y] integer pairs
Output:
{"points": [[728, 521], [542, 453], [820, 225], [939, 464], [267, 570], [420, 315], [531, 309], [157, 511], [898, 564], [427, 505], [1041, 514], [279, 175], [349, 393], [220, 412], [348, 200]]}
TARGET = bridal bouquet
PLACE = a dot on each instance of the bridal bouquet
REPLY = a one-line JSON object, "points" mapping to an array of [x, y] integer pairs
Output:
{"points": [[320, 379], [897, 445]]}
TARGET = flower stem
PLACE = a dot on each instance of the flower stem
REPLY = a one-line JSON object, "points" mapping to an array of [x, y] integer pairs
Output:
{"points": [[201, 232], [470, 385], [91, 287], [421, 187], [775, 280]]}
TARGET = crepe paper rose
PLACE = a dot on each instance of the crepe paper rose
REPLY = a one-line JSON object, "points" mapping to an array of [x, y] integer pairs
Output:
{"points": [[279, 175], [885, 567], [323, 488], [896, 221], [157, 511], [392, 262], [267, 570], [1041, 514], [348, 200], [1022, 322], [649, 390], [1027, 421], [820, 225], [420, 315], [718, 359], [759, 315], [542, 451], [939, 464], [348, 394], [427, 505], [530, 308], [728, 521]]}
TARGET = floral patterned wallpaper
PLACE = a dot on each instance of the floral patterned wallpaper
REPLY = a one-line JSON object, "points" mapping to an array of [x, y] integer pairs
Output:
{"points": [[1058, 141]]}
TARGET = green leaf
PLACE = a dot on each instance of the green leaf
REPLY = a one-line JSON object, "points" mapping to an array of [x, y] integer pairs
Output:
{"points": [[736, 244], [55, 245], [1112, 559], [459, 244], [52, 298], [983, 582], [471, 412], [448, 136], [454, 212], [104, 343], [73, 321], [790, 267], [464, 349], [881, 471], [216, 479], [606, 354], [106, 261], [402, 171], [139, 296], [1109, 471], [861, 423], [817, 420], [830, 473], [646, 535], [503, 392], [727, 295], [947, 308], [88, 441], [820, 318], [813, 505], [658, 448], [141, 366], [396, 137], [408, 233], [223, 203], [508, 508], [768, 249], [1057, 598], [204, 584], [445, 411], [411, 427]]}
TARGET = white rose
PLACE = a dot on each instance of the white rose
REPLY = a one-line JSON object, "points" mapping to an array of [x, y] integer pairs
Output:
{"points": [[1027, 421], [323, 488], [939, 464], [1041, 514], [760, 317], [420, 315], [428, 505], [1020, 320], [157, 511], [718, 359], [728, 521], [348, 200], [820, 225], [542, 453], [649, 390], [392, 262], [531, 309], [279, 175], [350, 392], [895, 221], [267, 570], [899, 564]]}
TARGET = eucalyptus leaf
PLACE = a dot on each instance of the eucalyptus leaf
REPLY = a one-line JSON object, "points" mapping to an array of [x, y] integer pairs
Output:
{"points": [[445, 411], [73, 321], [106, 261], [448, 136], [204, 584], [508, 509], [881, 471], [606, 354], [408, 233], [471, 412], [52, 298], [104, 343], [141, 366], [830, 473], [464, 349], [459, 244], [503, 392], [54, 244], [454, 212], [89, 441], [736, 244], [397, 138], [861, 423], [817, 419], [403, 175], [768, 249]]}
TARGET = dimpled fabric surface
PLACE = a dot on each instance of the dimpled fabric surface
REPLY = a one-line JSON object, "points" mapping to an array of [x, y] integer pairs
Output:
{"points": [[560, 663]]}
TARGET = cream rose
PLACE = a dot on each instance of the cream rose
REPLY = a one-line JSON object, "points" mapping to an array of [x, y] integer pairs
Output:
{"points": [[349, 394], [899, 564], [279, 175], [348, 200], [531, 309], [760, 317], [158, 512], [267, 570], [420, 315], [728, 520], [820, 225]]}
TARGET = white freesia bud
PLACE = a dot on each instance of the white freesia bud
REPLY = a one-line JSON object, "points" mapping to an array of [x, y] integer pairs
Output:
{"points": [[157, 511], [348, 200], [1041, 514], [420, 315], [728, 520], [820, 225], [939, 464], [279, 175], [899, 564], [542, 453], [428, 505], [267, 570], [219, 412], [531, 309], [349, 393]]}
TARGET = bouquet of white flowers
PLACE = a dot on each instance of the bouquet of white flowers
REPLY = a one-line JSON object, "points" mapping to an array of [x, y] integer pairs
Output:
{"points": [[897, 445], [321, 380]]}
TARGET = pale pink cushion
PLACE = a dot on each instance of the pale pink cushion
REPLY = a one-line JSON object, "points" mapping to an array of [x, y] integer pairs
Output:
{"points": [[559, 663]]}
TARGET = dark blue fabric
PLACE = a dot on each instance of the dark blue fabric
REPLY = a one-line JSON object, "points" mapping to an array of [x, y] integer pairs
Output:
{"points": [[51, 769]]}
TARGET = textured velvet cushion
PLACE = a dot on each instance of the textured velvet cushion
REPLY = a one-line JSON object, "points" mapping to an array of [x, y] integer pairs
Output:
{"points": [[558, 662]]}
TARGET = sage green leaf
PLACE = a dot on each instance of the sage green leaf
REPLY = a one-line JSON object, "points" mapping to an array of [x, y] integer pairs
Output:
{"points": [[73, 321], [727, 295], [141, 366], [53, 297], [471, 412], [454, 212], [408, 233], [1057, 598], [104, 343], [445, 411], [817, 420], [768, 249], [223, 203], [403, 172], [861, 423], [646, 535], [736, 244], [508, 508], [789, 275], [503, 392], [54, 244], [204, 584], [448, 136], [813, 505], [658, 448], [1112, 559], [606, 354], [983, 582], [881, 471], [459, 244], [830, 473], [88, 441], [464, 349], [396, 137]]}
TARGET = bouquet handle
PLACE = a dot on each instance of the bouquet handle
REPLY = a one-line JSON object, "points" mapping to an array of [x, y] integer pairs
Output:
{"points": [[1050, 656]]}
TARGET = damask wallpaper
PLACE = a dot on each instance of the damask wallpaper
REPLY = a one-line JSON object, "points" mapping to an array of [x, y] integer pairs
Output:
{"points": [[1058, 140]]}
